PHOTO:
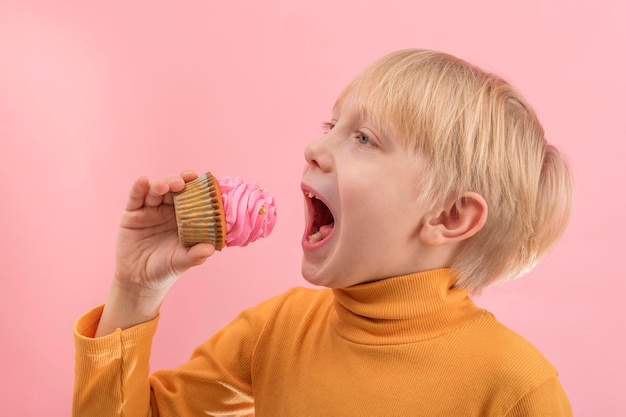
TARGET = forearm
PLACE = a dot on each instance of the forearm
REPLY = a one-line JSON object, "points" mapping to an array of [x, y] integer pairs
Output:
{"points": [[127, 307], [111, 372]]}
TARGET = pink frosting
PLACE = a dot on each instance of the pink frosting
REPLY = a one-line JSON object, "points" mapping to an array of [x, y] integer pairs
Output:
{"points": [[249, 209]]}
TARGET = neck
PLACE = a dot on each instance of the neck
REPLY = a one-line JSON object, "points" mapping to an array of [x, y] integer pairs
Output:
{"points": [[402, 309]]}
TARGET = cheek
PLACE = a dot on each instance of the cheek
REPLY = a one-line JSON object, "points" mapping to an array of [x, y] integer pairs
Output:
{"points": [[401, 212], [378, 198], [367, 220]]}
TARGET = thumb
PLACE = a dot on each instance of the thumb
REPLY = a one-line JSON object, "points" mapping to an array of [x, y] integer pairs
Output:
{"points": [[185, 258], [199, 253]]}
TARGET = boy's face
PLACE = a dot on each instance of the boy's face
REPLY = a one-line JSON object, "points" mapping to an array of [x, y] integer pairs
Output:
{"points": [[363, 211]]}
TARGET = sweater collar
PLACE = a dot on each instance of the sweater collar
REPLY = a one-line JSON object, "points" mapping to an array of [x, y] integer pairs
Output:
{"points": [[402, 309]]}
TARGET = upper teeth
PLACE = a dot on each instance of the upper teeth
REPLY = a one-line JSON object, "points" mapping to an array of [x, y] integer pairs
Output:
{"points": [[310, 194]]}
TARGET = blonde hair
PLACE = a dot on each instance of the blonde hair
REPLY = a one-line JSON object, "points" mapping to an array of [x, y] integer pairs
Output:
{"points": [[478, 134]]}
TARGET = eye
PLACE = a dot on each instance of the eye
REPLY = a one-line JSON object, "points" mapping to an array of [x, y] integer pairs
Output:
{"points": [[327, 126], [363, 139]]}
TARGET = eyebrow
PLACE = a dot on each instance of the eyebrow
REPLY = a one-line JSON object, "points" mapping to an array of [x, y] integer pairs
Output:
{"points": [[363, 117], [384, 131]]}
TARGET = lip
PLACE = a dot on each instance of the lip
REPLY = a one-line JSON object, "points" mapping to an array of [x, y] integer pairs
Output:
{"points": [[310, 210]]}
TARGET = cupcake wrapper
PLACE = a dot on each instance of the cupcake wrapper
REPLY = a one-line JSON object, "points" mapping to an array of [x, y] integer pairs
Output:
{"points": [[200, 213]]}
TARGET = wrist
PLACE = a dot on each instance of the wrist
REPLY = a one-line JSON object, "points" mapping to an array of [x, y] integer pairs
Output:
{"points": [[128, 306], [138, 293]]}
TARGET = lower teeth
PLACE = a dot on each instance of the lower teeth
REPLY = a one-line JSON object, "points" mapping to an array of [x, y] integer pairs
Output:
{"points": [[315, 237]]}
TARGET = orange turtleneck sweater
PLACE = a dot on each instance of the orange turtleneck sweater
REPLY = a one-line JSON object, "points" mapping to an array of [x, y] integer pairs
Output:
{"points": [[405, 346]]}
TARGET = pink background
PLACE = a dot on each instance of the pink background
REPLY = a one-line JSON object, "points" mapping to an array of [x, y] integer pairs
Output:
{"points": [[94, 94]]}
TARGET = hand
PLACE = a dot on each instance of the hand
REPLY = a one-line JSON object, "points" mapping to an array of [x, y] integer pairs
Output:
{"points": [[149, 257]]}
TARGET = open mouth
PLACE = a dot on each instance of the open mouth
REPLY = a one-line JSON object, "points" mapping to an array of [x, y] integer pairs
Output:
{"points": [[321, 220]]}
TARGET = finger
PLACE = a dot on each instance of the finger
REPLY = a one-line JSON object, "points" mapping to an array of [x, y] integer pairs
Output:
{"points": [[189, 175], [177, 183], [168, 199], [157, 190], [137, 193], [199, 253], [185, 258]]}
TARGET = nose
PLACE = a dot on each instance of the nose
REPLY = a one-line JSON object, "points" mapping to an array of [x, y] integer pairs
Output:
{"points": [[317, 154]]}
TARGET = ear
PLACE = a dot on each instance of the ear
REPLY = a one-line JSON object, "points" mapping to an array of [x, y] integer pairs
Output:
{"points": [[460, 220]]}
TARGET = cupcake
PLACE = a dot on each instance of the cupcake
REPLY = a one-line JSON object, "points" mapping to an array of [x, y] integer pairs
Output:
{"points": [[223, 212]]}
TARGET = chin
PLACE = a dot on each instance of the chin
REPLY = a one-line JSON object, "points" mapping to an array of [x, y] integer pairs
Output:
{"points": [[316, 276], [312, 277]]}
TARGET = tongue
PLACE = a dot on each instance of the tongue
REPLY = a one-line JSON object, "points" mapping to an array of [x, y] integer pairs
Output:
{"points": [[326, 229], [321, 233]]}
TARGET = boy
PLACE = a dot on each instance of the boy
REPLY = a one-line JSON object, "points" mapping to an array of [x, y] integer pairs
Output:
{"points": [[432, 180]]}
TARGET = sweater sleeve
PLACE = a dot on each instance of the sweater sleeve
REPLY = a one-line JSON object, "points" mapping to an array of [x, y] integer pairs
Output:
{"points": [[112, 372], [217, 379], [548, 399]]}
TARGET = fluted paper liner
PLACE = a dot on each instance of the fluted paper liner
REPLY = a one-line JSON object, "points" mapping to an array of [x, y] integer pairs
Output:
{"points": [[200, 213]]}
